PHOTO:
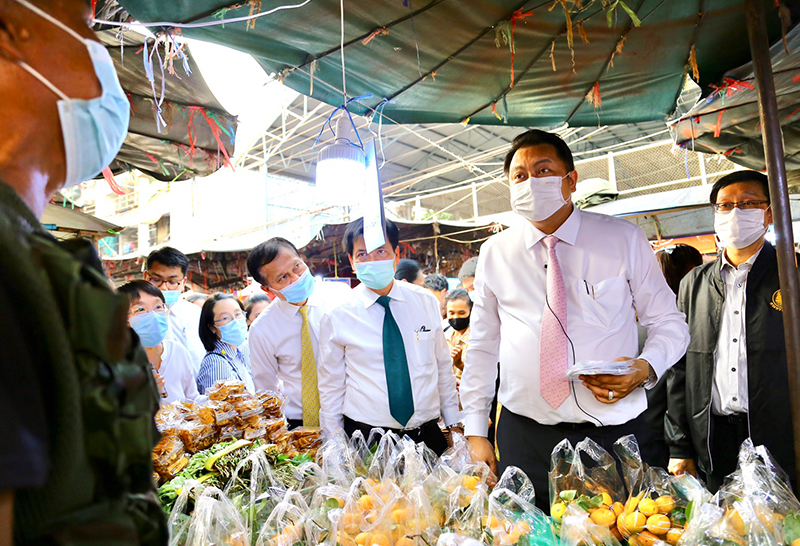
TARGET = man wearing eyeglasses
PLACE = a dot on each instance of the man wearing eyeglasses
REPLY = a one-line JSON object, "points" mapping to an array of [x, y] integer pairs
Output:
{"points": [[732, 384], [166, 270]]}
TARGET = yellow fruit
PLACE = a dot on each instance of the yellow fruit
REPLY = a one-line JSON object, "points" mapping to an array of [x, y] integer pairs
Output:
{"points": [[621, 526], [366, 502], [735, 520], [470, 482], [646, 538], [557, 511], [665, 504], [632, 503], [617, 534], [361, 538], [635, 522], [340, 501], [604, 517], [523, 527], [658, 524], [607, 500], [398, 531], [399, 515], [675, 534], [404, 541], [618, 508], [345, 540], [647, 506], [378, 539]]}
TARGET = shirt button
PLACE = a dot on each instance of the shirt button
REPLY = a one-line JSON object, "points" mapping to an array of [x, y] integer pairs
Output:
{"points": [[733, 369], [739, 285], [736, 312], [735, 340], [735, 399]]}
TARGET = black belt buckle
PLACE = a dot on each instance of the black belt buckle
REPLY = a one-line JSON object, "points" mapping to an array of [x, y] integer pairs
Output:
{"points": [[737, 418]]}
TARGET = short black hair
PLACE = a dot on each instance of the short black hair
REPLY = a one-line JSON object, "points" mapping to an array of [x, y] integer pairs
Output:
{"points": [[676, 261], [468, 268], [134, 288], [252, 300], [436, 282], [170, 257], [737, 177], [207, 335], [355, 229], [458, 294], [265, 253], [407, 270], [535, 137]]}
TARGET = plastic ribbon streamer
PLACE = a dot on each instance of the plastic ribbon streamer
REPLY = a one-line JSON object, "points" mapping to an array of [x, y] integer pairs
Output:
{"points": [[216, 129], [148, 69], [617, 51], [718, 125], [611, 10], [729, 87], [175, 49], [505, 33], [255, 7], [112, 182], [593, 96], [693, 64], [330, 126], [563, 4], [383, 31], [379, 112]]}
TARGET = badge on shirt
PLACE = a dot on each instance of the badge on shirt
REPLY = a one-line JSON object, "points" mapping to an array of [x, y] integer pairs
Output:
{"points": [[777, 301]]}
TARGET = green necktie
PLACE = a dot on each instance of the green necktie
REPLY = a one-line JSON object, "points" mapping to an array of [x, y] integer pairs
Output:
{"points": [[398, 381]]}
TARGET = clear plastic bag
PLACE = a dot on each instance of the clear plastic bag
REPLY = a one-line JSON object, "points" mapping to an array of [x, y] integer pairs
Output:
{"points": [[513, 519], [598, 367], [216, 521], [578, 529], [272, 402], [324, 515], [284, 527], [339, 460]]}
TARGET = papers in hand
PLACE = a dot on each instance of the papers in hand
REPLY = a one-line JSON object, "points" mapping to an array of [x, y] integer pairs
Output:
{"points": [[598, 367]]}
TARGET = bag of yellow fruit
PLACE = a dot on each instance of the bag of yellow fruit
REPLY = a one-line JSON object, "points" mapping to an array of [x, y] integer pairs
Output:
{"points": [[216, 521], [411, 464], [579, 529], [285, 525], [514, 520], [655, 511], [324, 515], [413, 520], [585, 475]]}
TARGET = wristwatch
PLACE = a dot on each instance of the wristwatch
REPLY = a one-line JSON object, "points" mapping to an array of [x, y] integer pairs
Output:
{"points": [[456, 425], [651, 380]]}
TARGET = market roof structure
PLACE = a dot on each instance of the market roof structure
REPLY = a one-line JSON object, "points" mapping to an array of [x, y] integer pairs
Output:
{"points": [[492, 62]]}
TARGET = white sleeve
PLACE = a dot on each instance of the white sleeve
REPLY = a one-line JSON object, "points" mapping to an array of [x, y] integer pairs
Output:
{"points": [[263, 364], [331, 377], [483, 353], [448, 395], [656, 307]]}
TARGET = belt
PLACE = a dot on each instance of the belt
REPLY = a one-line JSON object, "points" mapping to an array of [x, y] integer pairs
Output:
{"points": [[412, 433], [734, 418], [576, 426]]}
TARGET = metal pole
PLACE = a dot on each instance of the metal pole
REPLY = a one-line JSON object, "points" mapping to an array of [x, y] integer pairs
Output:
{"points": [[781, 208]]}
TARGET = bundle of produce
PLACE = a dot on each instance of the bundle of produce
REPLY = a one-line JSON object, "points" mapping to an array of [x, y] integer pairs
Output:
{"points": [[591, 483], [754, 507]]}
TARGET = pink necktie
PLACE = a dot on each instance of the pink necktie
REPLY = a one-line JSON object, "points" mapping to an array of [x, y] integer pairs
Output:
{"points": [[553, 383]]}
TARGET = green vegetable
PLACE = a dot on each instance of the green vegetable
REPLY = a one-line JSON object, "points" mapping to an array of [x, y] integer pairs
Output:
{"points": [[209, 465], [568, 496], [791, 527], [197, 464]]}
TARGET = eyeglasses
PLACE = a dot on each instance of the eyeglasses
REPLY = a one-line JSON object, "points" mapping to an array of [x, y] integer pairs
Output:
{"points": [[141, 310], [744, 205], [159, 282], [227, 319]]}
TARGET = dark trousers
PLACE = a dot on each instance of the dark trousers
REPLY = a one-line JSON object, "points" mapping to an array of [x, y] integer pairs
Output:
{"points": [[428, 433], [526, 444], [727, 434], [294, 423]]}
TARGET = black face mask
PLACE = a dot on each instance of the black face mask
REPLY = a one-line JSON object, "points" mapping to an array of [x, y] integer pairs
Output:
{"points": [[459, 324]]}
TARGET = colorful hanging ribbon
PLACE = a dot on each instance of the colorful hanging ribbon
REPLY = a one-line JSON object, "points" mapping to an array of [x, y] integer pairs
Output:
{"points": [[517, 16]]}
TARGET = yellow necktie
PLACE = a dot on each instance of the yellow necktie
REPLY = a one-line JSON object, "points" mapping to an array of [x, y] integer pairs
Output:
{"points": [[310, 392]]}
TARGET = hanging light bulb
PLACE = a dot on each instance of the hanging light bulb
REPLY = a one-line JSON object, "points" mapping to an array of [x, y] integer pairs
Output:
{"points": [[340, 167]]}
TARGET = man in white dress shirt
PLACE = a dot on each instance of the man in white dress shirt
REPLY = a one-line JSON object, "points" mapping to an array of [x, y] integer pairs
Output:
{"points": [[289, 325], [385, 361], [562, 288], [166, 270]]}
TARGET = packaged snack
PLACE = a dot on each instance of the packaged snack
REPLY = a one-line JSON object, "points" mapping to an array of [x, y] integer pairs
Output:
{"points": [[280, 438], [272, 402], [206, 413], [275, 425], [254, 433], [252, 416], [246, 404], [230, 432], [306, 439], [224, 389], [225, 418], [197, 436]]}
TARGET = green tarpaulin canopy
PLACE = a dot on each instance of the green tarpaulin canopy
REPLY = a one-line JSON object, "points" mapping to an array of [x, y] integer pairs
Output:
{"points": [[447, 61]]}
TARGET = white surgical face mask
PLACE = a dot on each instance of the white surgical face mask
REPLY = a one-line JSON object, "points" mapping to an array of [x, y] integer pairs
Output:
{"points": [[538, 199], [740, 228], [93, 129]]}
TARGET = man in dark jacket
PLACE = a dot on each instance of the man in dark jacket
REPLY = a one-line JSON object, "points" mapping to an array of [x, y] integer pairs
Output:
{"points": [[733, 382]]}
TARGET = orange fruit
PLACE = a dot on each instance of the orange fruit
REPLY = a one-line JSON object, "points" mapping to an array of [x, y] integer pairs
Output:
{"points": [[404, 541], [735, 520], [378, 539], [340, 501], [665, 504], [674, 535], [621, 525], [632, 503], [614, 531], [604, 517], [399, 515], [645, 538], [607, 500], [557, 511], [635, 522], [658, 524], [361, 538], [470, 482], [366, 502], [618, 508], [647, 506]]}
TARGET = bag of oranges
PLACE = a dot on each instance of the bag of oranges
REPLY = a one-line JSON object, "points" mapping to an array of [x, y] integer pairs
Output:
{"points": [[585, 475], [654, 512], [512, 518], [579, 529], [285, 525]]}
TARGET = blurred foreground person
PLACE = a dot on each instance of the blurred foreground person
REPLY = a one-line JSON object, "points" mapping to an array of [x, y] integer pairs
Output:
{"points": [[77, 397]]}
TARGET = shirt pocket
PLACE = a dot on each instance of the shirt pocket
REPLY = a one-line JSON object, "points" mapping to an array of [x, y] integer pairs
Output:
{"points": [[424, 343], [603, 304]]}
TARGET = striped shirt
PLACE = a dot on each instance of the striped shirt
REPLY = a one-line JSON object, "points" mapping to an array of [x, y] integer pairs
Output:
{"points": [[224, 362]]}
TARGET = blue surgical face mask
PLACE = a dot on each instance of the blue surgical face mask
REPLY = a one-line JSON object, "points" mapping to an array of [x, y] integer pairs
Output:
{"points": [[376, 274], [300, 290], [234, 333], [93, 129], [171, 296], [151, 327]]}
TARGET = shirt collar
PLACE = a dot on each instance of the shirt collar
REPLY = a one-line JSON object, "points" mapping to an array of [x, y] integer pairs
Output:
{"points": [[291, 310], [368, 297], [566, 232], [746, 266], [225, 349]]}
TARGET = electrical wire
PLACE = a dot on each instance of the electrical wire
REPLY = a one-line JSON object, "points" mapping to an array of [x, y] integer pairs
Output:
{"points": [[203, 24], [344, 79]]}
